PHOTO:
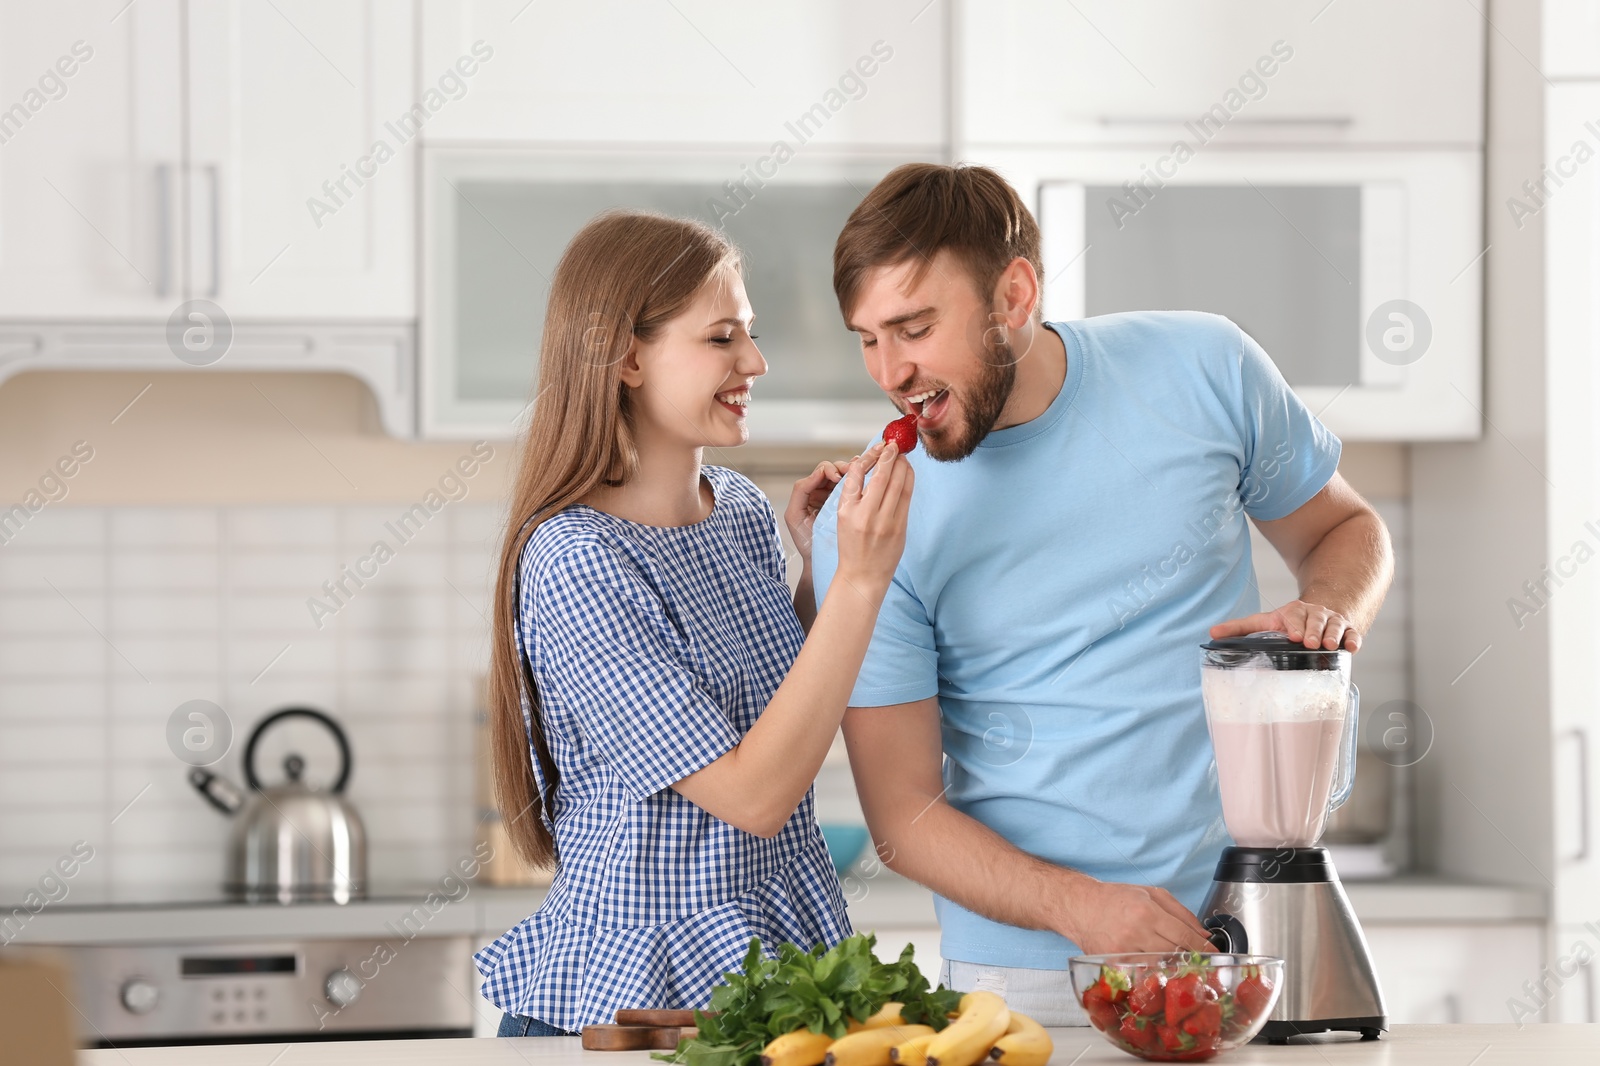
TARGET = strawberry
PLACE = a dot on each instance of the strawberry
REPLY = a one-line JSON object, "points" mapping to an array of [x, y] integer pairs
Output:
{"points": [[1253, 995], [1137, 1035], [1103, 999], [1148, 996], [902, 433]]}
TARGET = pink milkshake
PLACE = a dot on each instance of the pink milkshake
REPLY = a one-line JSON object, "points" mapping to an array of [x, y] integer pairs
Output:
{"points": [[1280, 741], [1276, 778]]}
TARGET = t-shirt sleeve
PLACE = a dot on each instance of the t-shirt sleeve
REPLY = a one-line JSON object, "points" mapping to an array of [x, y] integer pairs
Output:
{"points": [[902, 662], [1288, 455], [608, 650]]}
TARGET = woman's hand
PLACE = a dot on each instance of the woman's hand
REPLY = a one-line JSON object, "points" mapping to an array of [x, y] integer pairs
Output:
{"points": [[872, 520], [805, 502]]}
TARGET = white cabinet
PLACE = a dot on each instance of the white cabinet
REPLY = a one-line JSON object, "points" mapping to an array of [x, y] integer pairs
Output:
{"points": [[1571, 39], [692, 72], [178, 149], [1445, 974], [1107, 71], [299, 183], [90, 146], [1563, 591], [1572, 980]]}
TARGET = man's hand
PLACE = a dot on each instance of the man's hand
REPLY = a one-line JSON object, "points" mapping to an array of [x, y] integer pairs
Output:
{"points": [[1106, 918], [807, 497], [1305, 623]]}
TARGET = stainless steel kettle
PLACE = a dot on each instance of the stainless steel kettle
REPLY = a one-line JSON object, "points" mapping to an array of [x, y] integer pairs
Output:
{"points": [[290, 843]]}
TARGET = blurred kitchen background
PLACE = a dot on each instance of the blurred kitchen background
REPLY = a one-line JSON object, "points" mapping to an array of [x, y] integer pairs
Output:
{"points": [[271, 278]]}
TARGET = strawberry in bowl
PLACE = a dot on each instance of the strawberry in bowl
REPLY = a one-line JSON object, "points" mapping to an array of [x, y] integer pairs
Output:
{"points": [[1180, 1007]]}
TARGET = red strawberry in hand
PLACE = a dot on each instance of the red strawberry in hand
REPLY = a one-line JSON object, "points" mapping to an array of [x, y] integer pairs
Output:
{"points": [[902, 433]]}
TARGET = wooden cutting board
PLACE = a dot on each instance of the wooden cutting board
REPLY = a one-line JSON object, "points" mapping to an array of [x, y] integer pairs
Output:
{"points": [[635, 1037], [682, 1019]]}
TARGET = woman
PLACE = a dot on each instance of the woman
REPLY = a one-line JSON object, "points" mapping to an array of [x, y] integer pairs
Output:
{"points": [[656, 721]]}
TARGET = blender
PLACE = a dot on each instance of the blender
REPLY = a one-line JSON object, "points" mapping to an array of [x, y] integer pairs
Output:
{"points": [[1283, 722]]}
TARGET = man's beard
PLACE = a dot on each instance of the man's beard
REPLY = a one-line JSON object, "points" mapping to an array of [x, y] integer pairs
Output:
{"points": [[980, 407]]}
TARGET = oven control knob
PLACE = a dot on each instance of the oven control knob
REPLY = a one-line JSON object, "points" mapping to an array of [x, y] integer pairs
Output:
{"points": [[342, 988], [140, 996]]}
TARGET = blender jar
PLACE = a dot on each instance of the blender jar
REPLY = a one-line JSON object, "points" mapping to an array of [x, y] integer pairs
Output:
{"points": [[1283, 723]]}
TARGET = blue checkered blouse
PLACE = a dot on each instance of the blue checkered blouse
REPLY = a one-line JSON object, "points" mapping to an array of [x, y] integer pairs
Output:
{"points": [[654, 650]]}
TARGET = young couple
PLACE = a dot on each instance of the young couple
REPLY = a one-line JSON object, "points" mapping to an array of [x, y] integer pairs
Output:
{"points": [[1016, 674]]}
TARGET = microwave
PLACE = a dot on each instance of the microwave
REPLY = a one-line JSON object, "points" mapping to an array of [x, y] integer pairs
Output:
{"points": [[495, 222], [1358, 271]]}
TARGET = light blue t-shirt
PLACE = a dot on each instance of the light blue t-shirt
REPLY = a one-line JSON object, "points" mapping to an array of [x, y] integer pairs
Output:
{"points": [[1054, 591]]}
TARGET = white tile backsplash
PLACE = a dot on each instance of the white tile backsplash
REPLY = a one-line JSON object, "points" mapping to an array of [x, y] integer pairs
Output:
{"points": [[112, 617]]}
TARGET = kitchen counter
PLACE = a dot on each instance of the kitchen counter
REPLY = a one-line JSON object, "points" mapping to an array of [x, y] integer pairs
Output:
{"points": [[884, 901], [1421, 1045]]}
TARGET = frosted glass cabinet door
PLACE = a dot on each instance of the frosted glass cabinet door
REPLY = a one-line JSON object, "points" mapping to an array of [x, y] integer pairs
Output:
{"points": [[496, 226]]}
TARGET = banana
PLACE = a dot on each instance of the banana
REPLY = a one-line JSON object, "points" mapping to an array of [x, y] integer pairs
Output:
{"points": [[888, 1014], [982, 1020], [1025, 1043], [913, 1052], [870, 1047], [799, 1048]]}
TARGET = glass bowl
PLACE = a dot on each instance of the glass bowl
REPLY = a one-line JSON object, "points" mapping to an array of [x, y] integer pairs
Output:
{"points": [[1178, 1007]]}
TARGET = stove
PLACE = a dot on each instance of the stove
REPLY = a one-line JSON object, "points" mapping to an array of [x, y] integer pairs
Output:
{"points": [[188, 966]]}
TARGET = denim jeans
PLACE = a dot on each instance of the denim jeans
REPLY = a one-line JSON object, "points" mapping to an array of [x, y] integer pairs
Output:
{"points": [[517, 1025]]}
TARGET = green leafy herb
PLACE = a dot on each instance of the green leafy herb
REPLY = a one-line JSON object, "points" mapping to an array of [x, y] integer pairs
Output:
{"points": [[819, 990]]}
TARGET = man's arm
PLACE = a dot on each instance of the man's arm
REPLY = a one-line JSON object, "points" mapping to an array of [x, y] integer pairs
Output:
{"points": [[896, 756], [805, 598], [1338, 550]]}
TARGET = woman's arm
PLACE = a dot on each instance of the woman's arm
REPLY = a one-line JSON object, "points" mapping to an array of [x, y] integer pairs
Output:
{"points": [[757, 785]]}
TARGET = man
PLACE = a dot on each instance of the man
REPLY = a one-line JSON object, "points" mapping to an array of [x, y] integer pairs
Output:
{"points": [[1079, 528]]}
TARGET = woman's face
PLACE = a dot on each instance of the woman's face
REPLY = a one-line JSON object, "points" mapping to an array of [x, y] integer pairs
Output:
{"points": [[691, 384]]}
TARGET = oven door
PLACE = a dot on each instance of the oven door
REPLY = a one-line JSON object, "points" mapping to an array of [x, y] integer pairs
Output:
{"points": [[214, 993], [1358, 272]]}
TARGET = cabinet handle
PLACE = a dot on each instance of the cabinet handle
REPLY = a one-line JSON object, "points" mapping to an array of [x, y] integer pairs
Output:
{"points": [[1588, 991], [164, 228], [1279, 121], [216, 238], [1582, 854]]}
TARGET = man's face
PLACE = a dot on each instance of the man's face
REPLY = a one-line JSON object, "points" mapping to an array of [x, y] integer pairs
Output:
{"points": [[928, 344]]}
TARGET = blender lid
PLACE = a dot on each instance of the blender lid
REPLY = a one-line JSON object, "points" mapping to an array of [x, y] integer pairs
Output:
{"points": [[1281, 652]]}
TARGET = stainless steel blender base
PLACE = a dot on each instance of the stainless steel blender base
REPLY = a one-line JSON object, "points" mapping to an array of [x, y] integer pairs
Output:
{"points": [[1287, 912]]}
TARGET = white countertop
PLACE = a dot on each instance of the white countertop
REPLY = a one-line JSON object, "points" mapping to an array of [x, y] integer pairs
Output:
{"points": [[1406, 1045], [885, 901]]}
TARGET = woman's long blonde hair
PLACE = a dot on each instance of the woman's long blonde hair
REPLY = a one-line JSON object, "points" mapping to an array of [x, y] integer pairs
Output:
{"points": [[622, 278]]}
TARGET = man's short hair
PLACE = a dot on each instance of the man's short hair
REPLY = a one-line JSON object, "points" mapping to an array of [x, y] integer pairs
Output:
{"points": [[921, 209]]}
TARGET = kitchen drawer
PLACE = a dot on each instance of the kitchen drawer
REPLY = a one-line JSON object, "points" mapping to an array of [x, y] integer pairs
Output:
{"points": [[1445, 974]]}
